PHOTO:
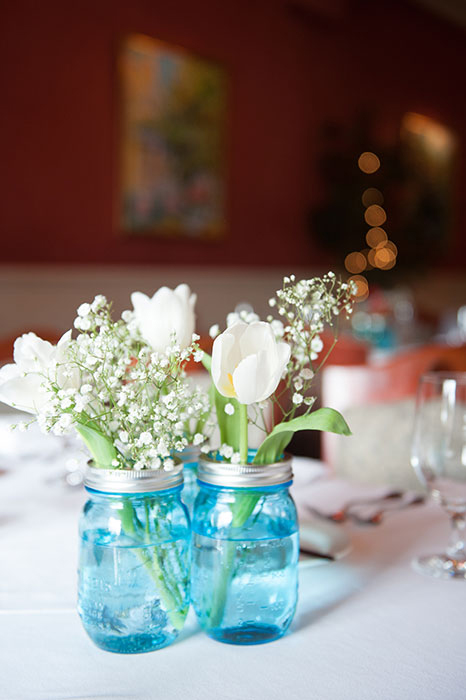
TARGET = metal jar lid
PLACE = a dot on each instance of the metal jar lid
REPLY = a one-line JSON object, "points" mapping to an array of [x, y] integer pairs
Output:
{"points": [[244, 475], [132, 480]]}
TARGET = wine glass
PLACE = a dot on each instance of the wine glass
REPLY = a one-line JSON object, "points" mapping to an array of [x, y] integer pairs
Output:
{"points": [[438, 456]]}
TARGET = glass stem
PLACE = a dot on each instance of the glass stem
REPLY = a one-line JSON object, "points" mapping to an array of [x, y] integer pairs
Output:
{"points": [[457, 547], [243, 433]]}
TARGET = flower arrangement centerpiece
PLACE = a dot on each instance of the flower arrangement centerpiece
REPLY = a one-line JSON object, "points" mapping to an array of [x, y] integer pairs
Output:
{"points": [[122, 386], [263, 373]]}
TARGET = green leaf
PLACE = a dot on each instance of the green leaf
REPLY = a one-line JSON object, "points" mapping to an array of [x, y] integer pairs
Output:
{"points": [[326, 419], [101, 447]]}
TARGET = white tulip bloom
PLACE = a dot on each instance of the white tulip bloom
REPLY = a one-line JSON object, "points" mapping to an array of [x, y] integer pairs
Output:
{"points": [[248, 362], [36, 363], [168, 312]]}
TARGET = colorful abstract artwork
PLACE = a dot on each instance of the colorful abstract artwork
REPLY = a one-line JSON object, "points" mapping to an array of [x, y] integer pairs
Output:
{"points": [[172, 141]]}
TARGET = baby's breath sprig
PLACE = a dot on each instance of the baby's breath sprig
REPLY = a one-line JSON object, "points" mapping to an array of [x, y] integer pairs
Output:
{"points": [[307, 307]]}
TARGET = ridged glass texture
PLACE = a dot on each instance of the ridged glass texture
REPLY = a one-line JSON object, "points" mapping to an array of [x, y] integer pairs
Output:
{"points": [[133, 583], [244, 582]]}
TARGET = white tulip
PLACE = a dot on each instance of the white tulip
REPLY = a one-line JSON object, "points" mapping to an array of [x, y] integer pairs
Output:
{"points": [[248, 362], [36, 362], [169, 312]]}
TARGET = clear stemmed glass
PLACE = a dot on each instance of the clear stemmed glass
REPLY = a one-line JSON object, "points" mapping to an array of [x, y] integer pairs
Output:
{"points": [[438, 456]]}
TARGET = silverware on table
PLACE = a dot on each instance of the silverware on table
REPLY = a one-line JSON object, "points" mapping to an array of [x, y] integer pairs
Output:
{"points": [[341, 515], [377, 517], [352, 509]]}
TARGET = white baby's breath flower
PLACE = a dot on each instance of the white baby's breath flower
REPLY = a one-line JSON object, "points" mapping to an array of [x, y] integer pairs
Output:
{"points": [[272, 302], [297, 399], [83, 309], [198, 439], [198, 356], [229, 409], [226, 451], [235, 458], [98, 303], [306, 373]]}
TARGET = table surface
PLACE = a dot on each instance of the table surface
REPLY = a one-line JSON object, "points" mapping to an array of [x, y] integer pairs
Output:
{"points": [[367, 626]]}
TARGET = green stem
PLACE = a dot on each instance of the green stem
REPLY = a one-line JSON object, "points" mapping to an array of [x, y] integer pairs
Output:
{"points": [[154, 568], [243, 433], [241, 509]]}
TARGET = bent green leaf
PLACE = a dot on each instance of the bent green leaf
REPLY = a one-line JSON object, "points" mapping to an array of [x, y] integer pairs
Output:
{"points": [[101, 447], [324, 419]]}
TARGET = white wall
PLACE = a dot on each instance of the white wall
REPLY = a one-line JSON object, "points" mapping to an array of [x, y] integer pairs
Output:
{"points": [[47, 296]]}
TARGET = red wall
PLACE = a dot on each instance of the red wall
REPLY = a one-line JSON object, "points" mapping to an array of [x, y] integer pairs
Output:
{"points": [[289, 71]]}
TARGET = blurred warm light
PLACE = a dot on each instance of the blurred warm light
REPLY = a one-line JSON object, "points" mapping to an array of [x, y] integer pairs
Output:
{"points": [[355, 262], [436, 138], [384, 258], [368, 162], [366, 252], [375, 215], [391, 246], [362, 287], [371, 257], [375, 237], [372, 196]]}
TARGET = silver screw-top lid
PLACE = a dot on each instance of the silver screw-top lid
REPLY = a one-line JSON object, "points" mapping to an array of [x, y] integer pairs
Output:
{"points": [[132, 480], [244, 475]]}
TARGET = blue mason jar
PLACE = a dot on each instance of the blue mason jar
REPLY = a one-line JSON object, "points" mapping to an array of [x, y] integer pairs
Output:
{"points": [[244, 581], [133, 582], [190, 460]]}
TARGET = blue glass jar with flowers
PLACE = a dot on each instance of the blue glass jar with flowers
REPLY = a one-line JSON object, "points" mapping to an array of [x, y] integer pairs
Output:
{"points": [[133, 579], [122, 386], [245, 532], [245, 551]]}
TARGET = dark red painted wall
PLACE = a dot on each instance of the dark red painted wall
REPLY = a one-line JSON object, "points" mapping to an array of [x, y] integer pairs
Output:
{"points": [[289, 71]]}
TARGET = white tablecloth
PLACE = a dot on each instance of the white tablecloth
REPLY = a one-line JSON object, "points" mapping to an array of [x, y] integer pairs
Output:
{"points": [[367, 626]]}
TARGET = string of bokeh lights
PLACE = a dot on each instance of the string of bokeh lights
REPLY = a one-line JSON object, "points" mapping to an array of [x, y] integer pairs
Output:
{"points": [[381, 253]]}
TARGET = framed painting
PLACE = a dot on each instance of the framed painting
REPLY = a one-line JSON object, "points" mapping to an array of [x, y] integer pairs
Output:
{"points": [[171, 141]]}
